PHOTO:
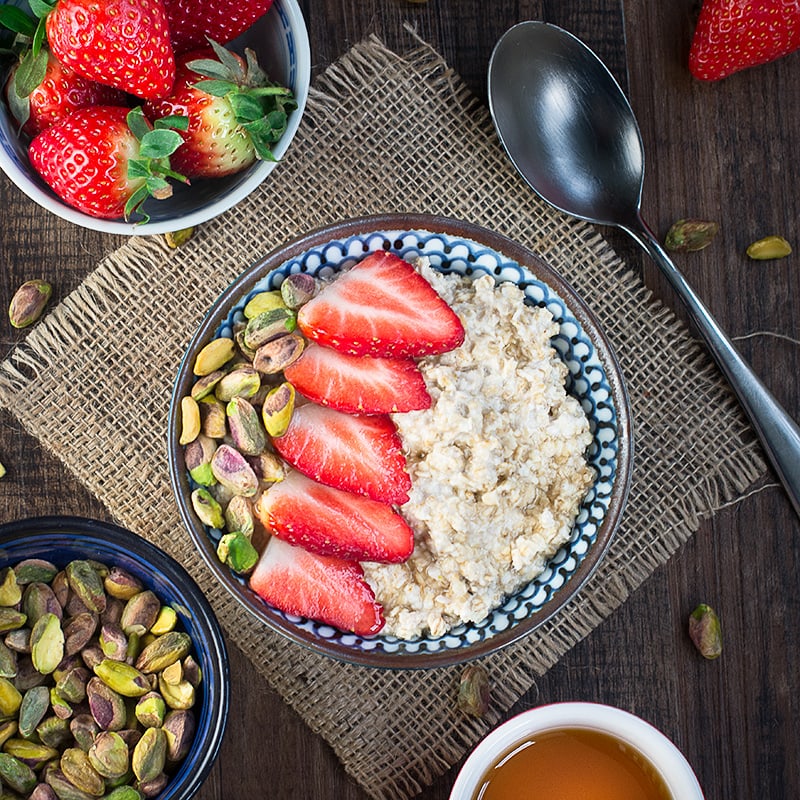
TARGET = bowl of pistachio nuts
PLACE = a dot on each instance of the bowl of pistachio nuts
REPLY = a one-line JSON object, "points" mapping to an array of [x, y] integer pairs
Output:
{"points": [[113, 669]]}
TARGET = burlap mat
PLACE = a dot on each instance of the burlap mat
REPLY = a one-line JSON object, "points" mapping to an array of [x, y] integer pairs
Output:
{"points": [[383, 132]]}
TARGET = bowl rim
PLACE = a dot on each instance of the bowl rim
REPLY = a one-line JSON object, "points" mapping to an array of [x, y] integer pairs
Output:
{"points": [[514, 251], [151, 557], [653, 744], [54, 204]]}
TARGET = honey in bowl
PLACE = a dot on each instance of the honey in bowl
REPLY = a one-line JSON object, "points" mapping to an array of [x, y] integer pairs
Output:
{"points": [[572, 764]]}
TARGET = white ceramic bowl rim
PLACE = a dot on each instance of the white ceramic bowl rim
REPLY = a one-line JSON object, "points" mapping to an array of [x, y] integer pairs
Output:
{"points": [[297, 42], [654, 745]]}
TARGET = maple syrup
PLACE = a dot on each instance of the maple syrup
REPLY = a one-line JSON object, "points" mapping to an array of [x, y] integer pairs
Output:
{"points": [[572, 764]]}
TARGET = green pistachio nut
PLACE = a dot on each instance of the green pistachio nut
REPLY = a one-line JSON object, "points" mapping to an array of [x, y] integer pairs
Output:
{"points": [[179, 727], [768, 248], [269, 325], [87, 584], [10, 591], [474, 691], [165, 622], [8, 728], [238, 337], [151, 710], [72, 685], [276, 413], [140, 612], [109, 755], [35, 570], [232, 471], [274, 356], [208, 510], [11, 619], [192, 671], [107, 707], [33, 707], [213, 420], [180, 695], [47, 643], [78, 632], [61, 708], [54, 732], [197, 457], [176, 239], [163, 651], [705, 631], [34, 754], [28, 303], [60, 587], [16, 775], [268, 467], [297, 289], [690, 235], [124, 793], [262, 302], [121, 584], [113, 641], [83, 729], [237, 551], [38, 599], [245, 427], [190, 420], [18, 641], [243, 381], [213, 356], [122, 678], [79, 771], [8, 661], [239, 516], [64, 788], [204, 386], [43, 791], [149, 755]]}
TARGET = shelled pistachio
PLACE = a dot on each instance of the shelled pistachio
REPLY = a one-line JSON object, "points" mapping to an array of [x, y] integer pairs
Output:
{"points": [[90, 661]]}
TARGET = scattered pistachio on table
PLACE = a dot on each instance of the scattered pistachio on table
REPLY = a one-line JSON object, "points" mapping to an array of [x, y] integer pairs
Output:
{"points": [[474, 691], [690, 235], [97, 684], [237, 403], [705, 631], [28, 303], [768, 248], [175, 239], [2, 470]]}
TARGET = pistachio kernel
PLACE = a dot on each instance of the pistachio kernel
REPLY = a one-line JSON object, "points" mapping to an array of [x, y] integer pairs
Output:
{"points": [[768, 248]]}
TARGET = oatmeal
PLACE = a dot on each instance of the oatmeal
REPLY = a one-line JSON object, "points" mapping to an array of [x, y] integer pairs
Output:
{"points": [[498, 464]]}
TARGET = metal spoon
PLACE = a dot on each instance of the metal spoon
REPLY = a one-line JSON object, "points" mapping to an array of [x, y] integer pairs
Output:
{"points": [[571, 133]]}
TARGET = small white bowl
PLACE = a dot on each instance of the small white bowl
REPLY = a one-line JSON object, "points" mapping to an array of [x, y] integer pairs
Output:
{"points": [[635, 732], [280, 39]]}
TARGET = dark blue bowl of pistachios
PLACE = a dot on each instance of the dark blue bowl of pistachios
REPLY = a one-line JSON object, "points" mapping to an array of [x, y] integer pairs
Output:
{"points": [[113, 660]]}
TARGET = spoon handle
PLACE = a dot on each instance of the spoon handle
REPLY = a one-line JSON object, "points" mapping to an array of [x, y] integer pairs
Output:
{"points": [[779, 434]]}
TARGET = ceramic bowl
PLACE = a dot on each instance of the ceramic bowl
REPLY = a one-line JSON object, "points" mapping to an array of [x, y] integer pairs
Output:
{"points": [[594, 378], [63, 539], [280, 40], [673, 768]]}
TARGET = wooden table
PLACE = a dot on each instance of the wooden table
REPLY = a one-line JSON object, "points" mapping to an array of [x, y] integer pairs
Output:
{"points": [[725, 151]]}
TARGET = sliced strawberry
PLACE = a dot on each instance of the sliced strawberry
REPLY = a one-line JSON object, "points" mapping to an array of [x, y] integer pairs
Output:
{"points": [[381, 307], [329, 521], [353, 452], [358, 384], [324, 588]]}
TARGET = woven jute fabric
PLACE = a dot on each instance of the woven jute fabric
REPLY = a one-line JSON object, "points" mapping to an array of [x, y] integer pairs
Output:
{"points": [[382, 132]]}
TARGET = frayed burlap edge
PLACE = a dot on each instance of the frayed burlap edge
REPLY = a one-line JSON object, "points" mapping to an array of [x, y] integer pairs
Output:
{"points": [[403, 731]]}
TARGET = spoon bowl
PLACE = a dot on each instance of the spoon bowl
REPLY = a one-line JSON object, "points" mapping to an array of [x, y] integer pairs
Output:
{"points": [[571, 133]]}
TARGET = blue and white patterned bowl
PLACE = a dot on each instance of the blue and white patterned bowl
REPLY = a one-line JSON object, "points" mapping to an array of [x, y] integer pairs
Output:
{"points": [[280, 40], [594, 378]]}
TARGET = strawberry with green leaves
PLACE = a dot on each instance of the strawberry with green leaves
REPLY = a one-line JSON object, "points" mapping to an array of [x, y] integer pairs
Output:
{"points": [[193, 22], [235, 113], [107, 160], [732, 35], [90, 38], [40, 90]]}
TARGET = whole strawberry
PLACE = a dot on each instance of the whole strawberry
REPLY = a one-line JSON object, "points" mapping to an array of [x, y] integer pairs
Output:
{"points": [[60, 92], [105, 160], [193, 22], [121, 43], [235, 113], [732, 35]]}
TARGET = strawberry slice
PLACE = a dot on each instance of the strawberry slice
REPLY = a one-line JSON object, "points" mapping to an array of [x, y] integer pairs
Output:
{"points": [[324, 588], [357, 384], [381, 307], [329, 521], [354, 452]]}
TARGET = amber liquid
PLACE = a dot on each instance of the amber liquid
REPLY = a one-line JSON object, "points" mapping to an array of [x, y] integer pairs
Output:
{"points": [[572, 764]]}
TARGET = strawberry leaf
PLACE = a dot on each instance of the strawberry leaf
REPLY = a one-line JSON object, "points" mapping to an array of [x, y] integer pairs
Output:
{"points": [[136, 200], [41, 8], [30, 73], [245, 107], [160, 143], [177, 122], [15, 19], [216, 88], [138, 123], [230, 61], [209, 68]]}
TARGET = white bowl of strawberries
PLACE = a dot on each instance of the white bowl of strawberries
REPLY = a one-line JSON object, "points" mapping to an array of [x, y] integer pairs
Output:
{"points": [[196, 105], [351, 484]]}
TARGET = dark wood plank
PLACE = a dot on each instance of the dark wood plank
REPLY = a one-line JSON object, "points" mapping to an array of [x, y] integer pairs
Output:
{"points": [[723, 151]]}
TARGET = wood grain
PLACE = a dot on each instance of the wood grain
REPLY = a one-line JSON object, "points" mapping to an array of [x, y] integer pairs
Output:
{"points": [[725, 151]]}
